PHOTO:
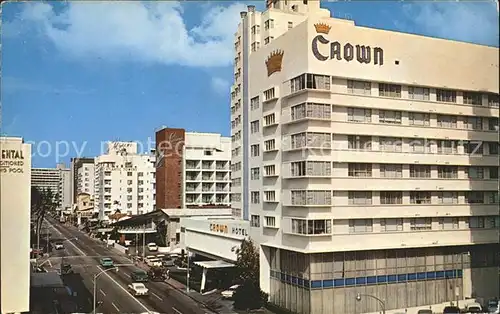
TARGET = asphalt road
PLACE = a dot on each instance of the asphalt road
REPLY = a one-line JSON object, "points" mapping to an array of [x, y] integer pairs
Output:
{"points": [[84, 253]]}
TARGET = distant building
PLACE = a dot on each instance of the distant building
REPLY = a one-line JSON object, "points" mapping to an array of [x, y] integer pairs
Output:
{"points": [[124, 180], [193, 169], [82, 177], [58, 180], [15, 176]]}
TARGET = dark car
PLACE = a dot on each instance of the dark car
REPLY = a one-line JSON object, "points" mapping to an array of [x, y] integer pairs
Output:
{"points": [[157, 273], [451, 310], [139, 276], [425, 311]]}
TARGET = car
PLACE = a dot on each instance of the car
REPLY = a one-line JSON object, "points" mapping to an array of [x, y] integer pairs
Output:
{"points": [[152, 247], [139, 276], [493, 306], [154, 262], [425, 311], [451, 310], [473, 308], [138, 289], [58, 246], [228, 294], [106, 262]]}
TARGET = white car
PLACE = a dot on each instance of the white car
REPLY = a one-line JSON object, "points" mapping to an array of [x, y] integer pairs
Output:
{"points": [[152, 262], [152, 247], [138, 289], [228, 294], [58, 246]]}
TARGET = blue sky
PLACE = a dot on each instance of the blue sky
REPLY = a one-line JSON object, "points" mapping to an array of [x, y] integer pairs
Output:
{"points": [[86, 73]]}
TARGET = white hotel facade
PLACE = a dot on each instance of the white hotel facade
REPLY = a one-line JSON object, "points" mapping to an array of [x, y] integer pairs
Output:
{"points": [[374, 174]]}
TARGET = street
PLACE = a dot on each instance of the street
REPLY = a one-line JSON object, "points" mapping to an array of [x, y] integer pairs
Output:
{"points": [[84, 253]]}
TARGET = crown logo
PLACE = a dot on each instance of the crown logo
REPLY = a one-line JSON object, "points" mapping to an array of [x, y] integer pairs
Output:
{"points": [[274, 61], [322, 28]]}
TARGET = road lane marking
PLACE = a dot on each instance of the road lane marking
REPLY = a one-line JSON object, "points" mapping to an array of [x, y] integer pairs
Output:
{"points": [[102, 292], [116, 307], [156, 296], [112, 279], [176, 310]]}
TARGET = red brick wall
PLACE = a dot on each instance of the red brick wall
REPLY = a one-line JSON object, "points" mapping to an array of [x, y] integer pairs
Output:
{"points": [[169, 175]]}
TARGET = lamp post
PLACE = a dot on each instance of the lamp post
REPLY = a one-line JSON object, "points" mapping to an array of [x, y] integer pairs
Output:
{"points": [[95, 285], [187, 273], [381, 302]]}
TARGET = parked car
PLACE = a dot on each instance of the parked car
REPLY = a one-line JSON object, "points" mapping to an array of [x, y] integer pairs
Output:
{"points": [[228, 294], [152, 247], [473, 308], [138, 289], [154, 262], [139, 276], [106, 262], [493, 306], [157, 274], [425, 311], [451, 310], [58, 246]]}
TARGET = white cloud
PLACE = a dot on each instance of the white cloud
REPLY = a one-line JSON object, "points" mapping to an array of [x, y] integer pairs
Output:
{"points": [[153, 32], [220, 86], [471, 21]]}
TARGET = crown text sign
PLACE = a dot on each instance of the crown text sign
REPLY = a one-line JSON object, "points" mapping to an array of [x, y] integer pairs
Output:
{"points": [[348, 52]]}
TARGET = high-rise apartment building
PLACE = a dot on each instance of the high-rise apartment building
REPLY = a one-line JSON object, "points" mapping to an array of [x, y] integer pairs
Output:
{"points": [[58, 180], [193, 169], [124, 180], [82, 177], [367, 161]]}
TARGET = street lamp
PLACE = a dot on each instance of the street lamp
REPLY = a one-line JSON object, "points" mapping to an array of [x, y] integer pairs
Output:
{"points": [[381, 302], [95, 285]]}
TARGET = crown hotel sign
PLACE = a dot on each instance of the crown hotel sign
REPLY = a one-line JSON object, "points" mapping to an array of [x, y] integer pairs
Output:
{"points": [[363, 54]]}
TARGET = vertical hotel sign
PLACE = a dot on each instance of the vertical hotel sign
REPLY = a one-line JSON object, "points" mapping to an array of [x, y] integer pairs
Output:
{"points": [[11, 161]]}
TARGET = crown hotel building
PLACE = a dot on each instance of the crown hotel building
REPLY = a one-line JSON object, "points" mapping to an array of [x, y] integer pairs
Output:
{"points": [[367, 162]]}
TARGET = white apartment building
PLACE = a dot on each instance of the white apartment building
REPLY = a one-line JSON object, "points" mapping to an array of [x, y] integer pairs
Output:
{"points": [[58, 180], [82, 177], [207, 160], [367, 161], [15, 175], [124, 180]]}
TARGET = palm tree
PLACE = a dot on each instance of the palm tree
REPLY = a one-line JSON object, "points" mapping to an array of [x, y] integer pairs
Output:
{"points": [[42, 202]]}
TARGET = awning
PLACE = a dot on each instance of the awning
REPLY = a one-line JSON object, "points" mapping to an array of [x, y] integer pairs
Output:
{"points": [[214, 264]]}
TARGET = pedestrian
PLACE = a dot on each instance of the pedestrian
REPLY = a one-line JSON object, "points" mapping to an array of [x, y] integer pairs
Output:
{"points": [[168, 274]]}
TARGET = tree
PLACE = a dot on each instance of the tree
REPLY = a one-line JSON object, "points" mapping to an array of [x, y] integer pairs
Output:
{"points": [[42, 202], [248, 295]]}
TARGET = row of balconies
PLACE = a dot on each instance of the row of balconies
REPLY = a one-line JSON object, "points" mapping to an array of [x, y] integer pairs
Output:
{"points": [[197, 177], [205, 199], [207, 164]]}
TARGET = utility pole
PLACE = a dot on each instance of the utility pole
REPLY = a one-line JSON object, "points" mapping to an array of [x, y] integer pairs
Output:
{"points": [[144, 242], [187, 273]]}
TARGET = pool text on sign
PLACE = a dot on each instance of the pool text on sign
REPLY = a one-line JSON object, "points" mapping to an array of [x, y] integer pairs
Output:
{"points": [[225, 229], [12, 161]]}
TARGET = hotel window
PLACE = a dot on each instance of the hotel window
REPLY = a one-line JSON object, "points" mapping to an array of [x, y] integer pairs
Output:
{"points": [[270, 221], [269, 24], [359, 87], [492, 197], [269, 94], [255, 197], [255, 46], [419, 145], [270, 170], [268, 39], [391, 197], [270, 145], [360, 170], [473, 123], [255, 150], [129, 174], [270, 119], [418, 93], [446, 95], [254, 221], [299, 140], [254, 126], [269, 196], [473, 147], [255, 174], [290, 25], [311, 110], [310, 81], [476, 222], [320, 226], [319, 140], [420, 197], [493, 100], [492, 222], [417, 118], [360, 197], [311, 168], [129, 182], [359, 115], [473, 98], [391, 224], [359, 142], [255, 29], [448, 172], [360, 225], [391, 171], [447, 147], [311, 197], [420, 224], [254, 103], [493, 148], [474, 197], [474, 172], [446, 121], [448, 223], [493, 124], [389, 116], [389, 90], [493, 171], [447, 197], [390, 144]]}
